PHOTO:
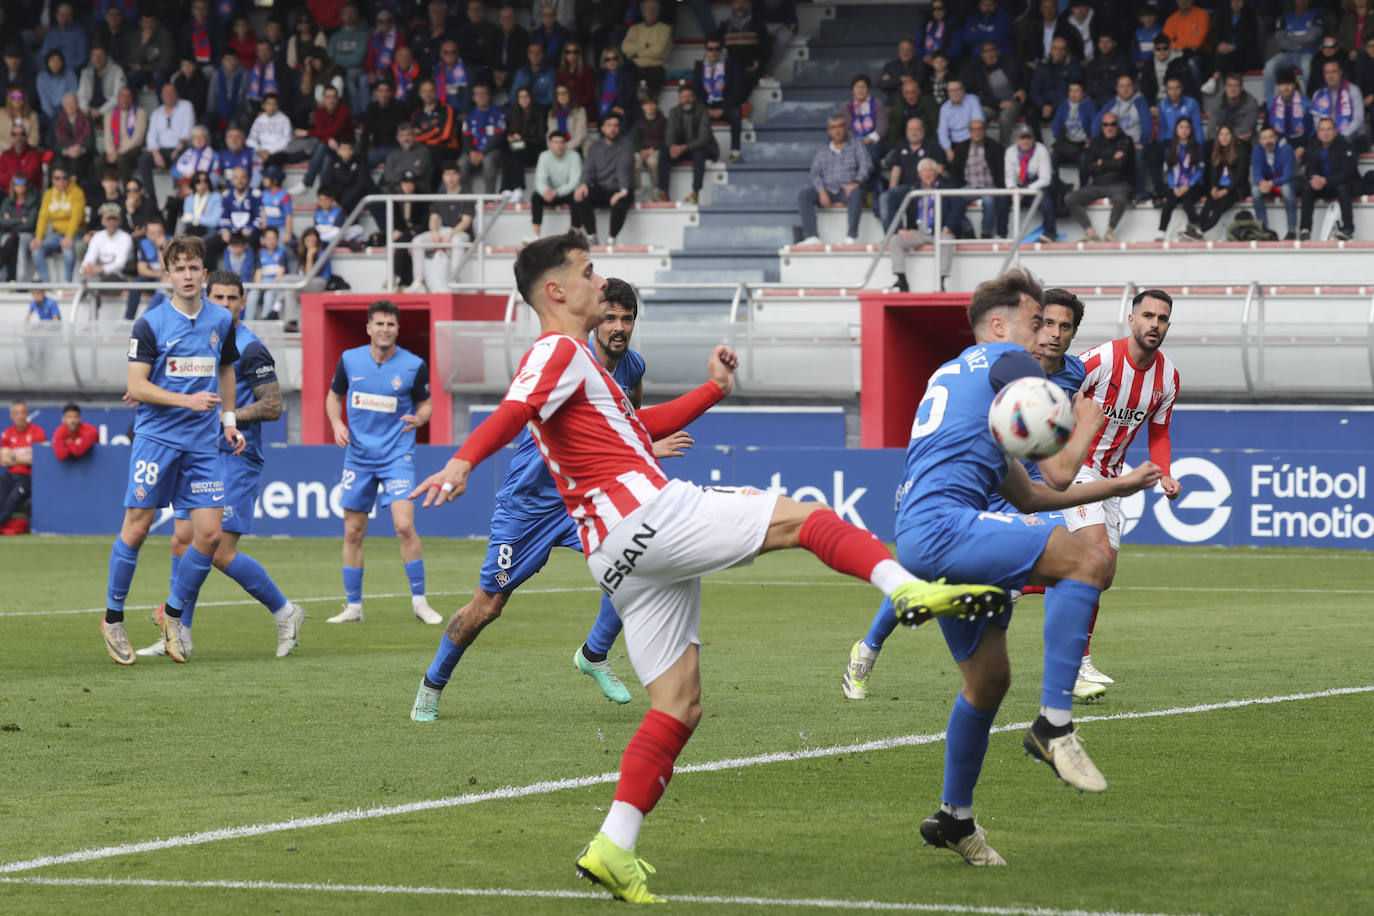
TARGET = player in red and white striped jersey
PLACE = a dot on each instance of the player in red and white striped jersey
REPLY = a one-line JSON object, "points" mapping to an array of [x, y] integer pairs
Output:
{"points": [[1136, 385], [649, 539]]}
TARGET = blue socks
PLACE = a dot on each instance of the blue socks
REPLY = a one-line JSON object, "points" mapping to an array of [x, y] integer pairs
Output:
{"points": [[353, 584], [445, 660], [604, 631], [123, 562], [415, 572], [966, 743], [884, 622], [254, 580], [1068, 610], [191, 573]]}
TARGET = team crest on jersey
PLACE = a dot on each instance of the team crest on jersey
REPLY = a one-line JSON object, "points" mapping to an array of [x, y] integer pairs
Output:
{"points": [[140, 494], [1082, 511], [502, 577], [395, 383], [214, 338]]}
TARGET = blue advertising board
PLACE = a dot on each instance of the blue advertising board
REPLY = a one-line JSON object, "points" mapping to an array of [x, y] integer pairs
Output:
{"points": [[1271, 477]]}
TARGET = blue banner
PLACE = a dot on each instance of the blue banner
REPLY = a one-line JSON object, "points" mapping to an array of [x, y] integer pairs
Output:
{"points": [[1266, 478]]}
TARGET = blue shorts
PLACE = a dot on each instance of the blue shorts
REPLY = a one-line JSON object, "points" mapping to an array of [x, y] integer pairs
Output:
{"points": [[966, 545], [998, 504], [361, 486], [163, 475], [519, 547], [242, 483]]}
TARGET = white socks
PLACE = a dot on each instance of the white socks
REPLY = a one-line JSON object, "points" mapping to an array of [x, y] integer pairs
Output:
{"points": [[887, 575], [1057, 717], [622, 824]]}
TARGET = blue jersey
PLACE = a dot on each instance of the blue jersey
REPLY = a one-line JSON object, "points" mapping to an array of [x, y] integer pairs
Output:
{"points": [[1070, 378], [46, 310], [276, 208], [273, 263], [377, 395], [241, 214], [255, 368], [185, 353], [953, 461], [529, 490], [226, 160]]}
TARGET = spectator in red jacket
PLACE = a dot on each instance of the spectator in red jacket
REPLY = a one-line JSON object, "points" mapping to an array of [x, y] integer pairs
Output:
{"points": [[16, 457], [329, 123], [21, 159], [73, 439]]}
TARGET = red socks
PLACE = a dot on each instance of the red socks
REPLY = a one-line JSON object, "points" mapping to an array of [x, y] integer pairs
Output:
{"points": [[1033, 590], [647, 764], [842, 546]]}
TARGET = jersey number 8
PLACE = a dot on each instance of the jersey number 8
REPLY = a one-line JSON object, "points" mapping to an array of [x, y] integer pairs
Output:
{"points": [[146, 472], [504, 556]]}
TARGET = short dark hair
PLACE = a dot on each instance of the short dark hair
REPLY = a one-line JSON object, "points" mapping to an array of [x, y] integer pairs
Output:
{"points": [[610, 116], [558, 133], [273, 96], [860, 78], [1079, 82], [1159, 294], [384, 307], [1285, 77], [1003, 292], [622, 293], [1058, 296], [71, 405], [541, 256], [225, 278]]}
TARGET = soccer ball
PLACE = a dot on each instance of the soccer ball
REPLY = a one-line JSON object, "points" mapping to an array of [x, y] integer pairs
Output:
{"points": [[1031, 418]]}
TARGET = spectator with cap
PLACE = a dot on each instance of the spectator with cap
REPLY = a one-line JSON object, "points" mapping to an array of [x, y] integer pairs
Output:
{"points": [[608, 179], [16, 459], [1273, 172], [839, 172], [124, 133], [169, 134], [1109, 164], [1343, 103], [1297, 34], [108, 252], [61, 216], [1147, 30], [1328, 50], [1331, 173], [557, 175], [1290, 114], [484, 141], [1027, 164], [18, 220], [73, 438], [97, 89]]}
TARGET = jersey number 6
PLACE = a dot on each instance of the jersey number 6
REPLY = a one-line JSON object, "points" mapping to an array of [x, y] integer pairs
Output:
{"points": [[937, 396]]}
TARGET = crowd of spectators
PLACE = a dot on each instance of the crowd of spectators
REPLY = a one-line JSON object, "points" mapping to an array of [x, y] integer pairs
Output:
{"points": [[1144, 101], [221, 95]]}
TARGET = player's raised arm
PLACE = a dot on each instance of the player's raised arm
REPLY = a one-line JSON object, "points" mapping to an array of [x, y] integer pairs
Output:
{"points": [[1060, 469], [663, 419], [1034, 496], [491, 434]]}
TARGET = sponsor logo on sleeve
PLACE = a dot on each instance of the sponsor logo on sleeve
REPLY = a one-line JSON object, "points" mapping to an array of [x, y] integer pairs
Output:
{"points": [[191, 366], [378, 403], [133, 347], [267, 369]]}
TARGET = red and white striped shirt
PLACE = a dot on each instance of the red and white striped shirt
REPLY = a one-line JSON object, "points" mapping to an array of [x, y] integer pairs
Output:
{"points": [[1129, 395], [598, 451]]}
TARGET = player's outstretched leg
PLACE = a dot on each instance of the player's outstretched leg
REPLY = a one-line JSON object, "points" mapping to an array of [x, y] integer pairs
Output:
{"points": [[415, 573], [864, 655], [851, 550], [591, 658], [462, 629], [1052, 738]]}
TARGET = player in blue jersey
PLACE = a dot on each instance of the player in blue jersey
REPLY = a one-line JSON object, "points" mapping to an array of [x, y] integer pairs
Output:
{"points": [[259, 401], [181, 370], [1063, 314], [386, 388], [531, 519], [944, 528]]}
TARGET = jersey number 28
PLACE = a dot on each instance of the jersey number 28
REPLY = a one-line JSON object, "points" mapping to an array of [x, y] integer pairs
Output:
{"points": [[937, 396]]}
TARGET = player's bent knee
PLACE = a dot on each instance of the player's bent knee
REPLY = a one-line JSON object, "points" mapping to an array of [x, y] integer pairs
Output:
{"points": [[784, 528]]}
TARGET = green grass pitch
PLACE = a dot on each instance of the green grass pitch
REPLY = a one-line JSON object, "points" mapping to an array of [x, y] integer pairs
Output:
{"points": [[1255, 808]]}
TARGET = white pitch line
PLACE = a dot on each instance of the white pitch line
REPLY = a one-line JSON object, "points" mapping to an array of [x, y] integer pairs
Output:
{"points": [[827, 903], [545, 787]]}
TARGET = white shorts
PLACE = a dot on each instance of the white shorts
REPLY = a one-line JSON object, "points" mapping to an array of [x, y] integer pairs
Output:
{"points": [[1104, 512], [651, 564]]}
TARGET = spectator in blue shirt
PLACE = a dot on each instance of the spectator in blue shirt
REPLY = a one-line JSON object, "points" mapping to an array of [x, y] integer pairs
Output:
{"points": [[1272, 167], [238, 257], [274, 263], [1075, 124], [68, 37], [1049, 86], [988, 24], [1173, 107], [958, 111], [236, 155], [147, 265], [1297, 34], [43, 306], [537, 76], [56, 80]]}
